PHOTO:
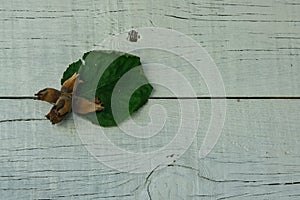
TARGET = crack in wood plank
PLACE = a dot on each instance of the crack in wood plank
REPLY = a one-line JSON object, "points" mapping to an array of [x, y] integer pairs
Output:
{"points": [[148, 182], [22, 120]]}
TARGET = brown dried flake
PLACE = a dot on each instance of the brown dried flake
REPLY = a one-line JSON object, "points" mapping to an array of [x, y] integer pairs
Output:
{"points": [[63, 100]]}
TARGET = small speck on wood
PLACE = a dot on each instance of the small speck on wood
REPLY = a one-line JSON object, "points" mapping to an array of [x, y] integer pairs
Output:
{"points": [[133, 36]]}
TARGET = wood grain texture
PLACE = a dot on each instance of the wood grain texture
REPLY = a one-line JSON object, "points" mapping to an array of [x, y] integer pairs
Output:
{"points": [[256, 47], [257, 156], [254, 44]]}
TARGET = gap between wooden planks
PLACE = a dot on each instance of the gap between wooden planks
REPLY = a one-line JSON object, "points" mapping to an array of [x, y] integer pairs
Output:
{"points": [[187, 98]]}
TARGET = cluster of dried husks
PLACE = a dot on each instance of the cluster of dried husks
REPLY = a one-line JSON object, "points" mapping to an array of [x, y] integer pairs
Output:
{"points": [[62, 100]]}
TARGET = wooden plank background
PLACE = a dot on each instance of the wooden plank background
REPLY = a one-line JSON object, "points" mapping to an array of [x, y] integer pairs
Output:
{"points": [[256, 46]]}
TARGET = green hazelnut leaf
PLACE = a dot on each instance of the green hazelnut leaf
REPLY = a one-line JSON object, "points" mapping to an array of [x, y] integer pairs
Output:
{"points": [[107, 74]]}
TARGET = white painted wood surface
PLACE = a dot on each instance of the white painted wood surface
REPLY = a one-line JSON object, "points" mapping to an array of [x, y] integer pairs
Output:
{"points": [[256, 46]]}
